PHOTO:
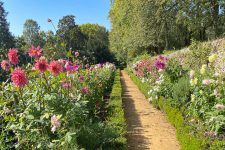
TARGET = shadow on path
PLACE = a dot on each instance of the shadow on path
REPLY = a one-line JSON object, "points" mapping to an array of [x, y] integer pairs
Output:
{"points": [[136, 141]]}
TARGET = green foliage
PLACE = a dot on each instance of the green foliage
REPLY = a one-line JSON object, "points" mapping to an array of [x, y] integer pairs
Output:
{"points": [[199, 54], [96, 42], [174, 70], [181, 92], [69, 34]]}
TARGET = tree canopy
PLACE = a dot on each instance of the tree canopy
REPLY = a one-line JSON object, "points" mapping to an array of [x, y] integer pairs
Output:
{"points": [[152, 26]]}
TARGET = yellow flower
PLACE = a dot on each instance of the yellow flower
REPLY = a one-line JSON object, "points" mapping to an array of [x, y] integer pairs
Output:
{"points": [[194, 81], [212, 58], [203, 69], [201, 92]]}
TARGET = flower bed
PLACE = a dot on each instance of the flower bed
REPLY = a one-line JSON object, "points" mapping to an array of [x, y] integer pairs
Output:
{"points": [[48, 105], [193, 99]]}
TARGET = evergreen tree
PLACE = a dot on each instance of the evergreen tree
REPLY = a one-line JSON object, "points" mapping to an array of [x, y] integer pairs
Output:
{"points": [[6, 38]]}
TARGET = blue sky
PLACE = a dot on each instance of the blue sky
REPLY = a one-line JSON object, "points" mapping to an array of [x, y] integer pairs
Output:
{"points": [[86, 11]]}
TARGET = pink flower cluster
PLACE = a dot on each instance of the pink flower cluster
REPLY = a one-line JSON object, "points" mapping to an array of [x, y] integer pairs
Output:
{"points": [[150, 67], [5, 65], [160, 62]]}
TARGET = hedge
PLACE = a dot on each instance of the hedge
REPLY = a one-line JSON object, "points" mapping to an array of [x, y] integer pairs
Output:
{"points": [[115, 118]]}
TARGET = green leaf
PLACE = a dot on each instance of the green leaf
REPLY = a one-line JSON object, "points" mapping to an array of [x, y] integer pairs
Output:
{"points": [[30, 117]]}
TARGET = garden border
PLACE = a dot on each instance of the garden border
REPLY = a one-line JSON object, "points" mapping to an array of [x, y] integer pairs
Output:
{"points": [[188, 140]]}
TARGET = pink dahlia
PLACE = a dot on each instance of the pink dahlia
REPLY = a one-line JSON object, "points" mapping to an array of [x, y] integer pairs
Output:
{"points": [[87, 66], [19, 78], [219, 106], [159, 64], [85, 90], [41, 64], [55, 123], [81, 78], [5, 65], [70, 67], [77, 54], [12, 56], [55, 67], [66, 84], [206, 82], [35, 52]]}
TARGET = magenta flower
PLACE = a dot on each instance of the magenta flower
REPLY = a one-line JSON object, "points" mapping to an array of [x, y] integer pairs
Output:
{"points": [[5, 65], [70, 67], [81, 78], [85, 90], [159, 65]]}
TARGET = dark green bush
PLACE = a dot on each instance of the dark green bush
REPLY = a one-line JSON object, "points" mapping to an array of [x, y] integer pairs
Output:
{"points": [[181, 92]]}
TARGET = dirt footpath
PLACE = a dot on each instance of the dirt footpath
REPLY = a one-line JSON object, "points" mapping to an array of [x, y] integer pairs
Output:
{"points": [[148, 128]]}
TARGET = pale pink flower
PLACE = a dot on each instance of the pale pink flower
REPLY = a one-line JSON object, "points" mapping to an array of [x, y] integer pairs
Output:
{"points": [[77, 54], [66, 84], [206, 82], [5, 65], [219, 106], [55, 123]]}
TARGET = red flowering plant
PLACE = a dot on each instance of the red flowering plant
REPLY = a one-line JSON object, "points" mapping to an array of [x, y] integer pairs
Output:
{"points": [[49, 100]]}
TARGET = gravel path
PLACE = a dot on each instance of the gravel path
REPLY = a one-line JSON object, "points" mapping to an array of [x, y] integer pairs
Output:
{"points": [[148, 128]]}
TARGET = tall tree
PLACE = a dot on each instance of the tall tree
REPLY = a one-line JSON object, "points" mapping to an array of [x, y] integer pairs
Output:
{"points": [[6, 38], [69, 33], [96, 42], [31, 32]]}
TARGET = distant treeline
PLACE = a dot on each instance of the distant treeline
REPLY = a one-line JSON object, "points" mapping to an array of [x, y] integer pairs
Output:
{"points": [[140, 26]]}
